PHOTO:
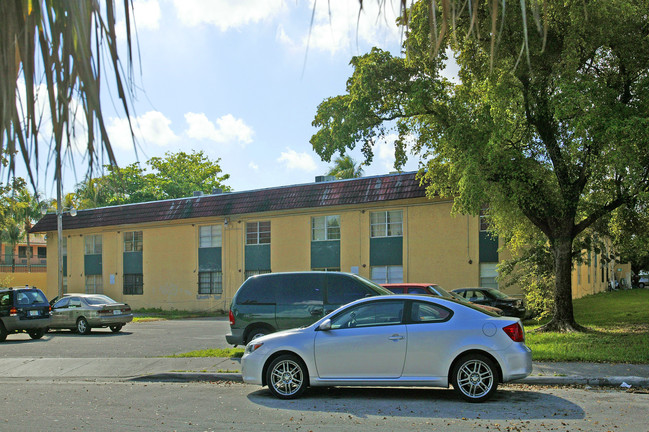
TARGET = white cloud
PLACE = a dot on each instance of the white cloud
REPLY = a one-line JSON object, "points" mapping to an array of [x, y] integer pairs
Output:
{"points": [[293, 160], [151, 127], [227, 14], [253, 166], [146, 16], [227, 128], [338, 25]]}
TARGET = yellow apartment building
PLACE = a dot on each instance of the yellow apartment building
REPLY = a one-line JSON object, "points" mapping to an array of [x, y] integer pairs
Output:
{"points": [[193, 253]]}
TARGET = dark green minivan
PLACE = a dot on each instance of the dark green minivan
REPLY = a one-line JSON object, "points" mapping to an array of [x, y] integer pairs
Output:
{"points": [[278, 301]]}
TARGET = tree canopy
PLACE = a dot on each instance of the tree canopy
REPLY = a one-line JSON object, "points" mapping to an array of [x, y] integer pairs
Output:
{"points": [[177, 175], [552, 129]]}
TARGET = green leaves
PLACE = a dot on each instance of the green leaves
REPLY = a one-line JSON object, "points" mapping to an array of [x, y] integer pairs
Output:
{"points": [[177, 175]]}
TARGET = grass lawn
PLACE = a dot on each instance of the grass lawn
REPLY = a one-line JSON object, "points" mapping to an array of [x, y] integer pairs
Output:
{"points": [[156, 314], [619, 323], [620, 331]]}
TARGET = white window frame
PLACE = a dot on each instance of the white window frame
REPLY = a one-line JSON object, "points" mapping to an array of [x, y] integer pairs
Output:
{"points": [[327, 225], [382, 224], [258, 233], [214, 284], [93, 244], [386, 274], [210, 236]]}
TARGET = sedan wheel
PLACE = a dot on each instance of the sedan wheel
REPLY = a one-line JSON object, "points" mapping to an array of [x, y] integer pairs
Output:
{"points": [[82, 326], [116, 328], [286, 377], [37, 334], [475, 378]]}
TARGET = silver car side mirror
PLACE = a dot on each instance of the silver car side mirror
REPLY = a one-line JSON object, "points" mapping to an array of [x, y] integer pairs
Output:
{"points": [[325, 325]]}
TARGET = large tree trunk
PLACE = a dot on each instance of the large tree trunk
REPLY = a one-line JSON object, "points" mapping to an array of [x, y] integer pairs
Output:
{"points": [[563, 319]]}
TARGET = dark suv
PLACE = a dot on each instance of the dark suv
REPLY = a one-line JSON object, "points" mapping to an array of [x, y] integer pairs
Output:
{"points": [[23, 309], [277, 301]]}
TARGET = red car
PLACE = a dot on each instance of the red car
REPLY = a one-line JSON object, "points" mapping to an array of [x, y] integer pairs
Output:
{"points": [[434, 290]]}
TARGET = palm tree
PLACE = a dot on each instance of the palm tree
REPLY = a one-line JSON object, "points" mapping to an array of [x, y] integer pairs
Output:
{"points": [[27, 209], [11, 233], [345, 168]]}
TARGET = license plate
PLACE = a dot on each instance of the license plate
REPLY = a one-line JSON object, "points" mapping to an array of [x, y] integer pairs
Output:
{"points": [[33, 313], [117, 312]]}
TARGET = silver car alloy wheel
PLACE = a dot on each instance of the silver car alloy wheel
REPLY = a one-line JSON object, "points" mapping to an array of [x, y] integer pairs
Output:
{"points": [[475, 378], [286, 377]]}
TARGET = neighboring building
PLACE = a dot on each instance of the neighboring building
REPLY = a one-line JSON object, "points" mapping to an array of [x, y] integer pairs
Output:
{"points": [[19, 267], [193, 253]]}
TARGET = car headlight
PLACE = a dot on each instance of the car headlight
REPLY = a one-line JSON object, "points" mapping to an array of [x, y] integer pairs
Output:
{"points": [[252, 347]]}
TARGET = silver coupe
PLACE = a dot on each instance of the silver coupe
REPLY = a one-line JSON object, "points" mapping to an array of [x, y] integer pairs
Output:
{"points": [[399, 340]]}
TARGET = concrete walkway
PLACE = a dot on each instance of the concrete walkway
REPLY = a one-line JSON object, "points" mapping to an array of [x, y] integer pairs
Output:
{"points": [[220, 369]]}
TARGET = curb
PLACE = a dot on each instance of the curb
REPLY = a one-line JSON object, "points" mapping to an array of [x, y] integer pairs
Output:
{"points": [[188, 377], [613, 381]]}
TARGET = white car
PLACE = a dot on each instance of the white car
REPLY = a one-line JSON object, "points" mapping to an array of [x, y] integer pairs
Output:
{"points": [[398, 340]]}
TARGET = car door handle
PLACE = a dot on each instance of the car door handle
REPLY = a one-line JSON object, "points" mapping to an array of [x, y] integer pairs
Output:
{"points": [[396, 337]]}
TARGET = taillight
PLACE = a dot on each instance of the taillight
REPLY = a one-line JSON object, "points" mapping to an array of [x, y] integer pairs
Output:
{"points": [[231, 316], [13, 312], [515, 332], [104, 311]]}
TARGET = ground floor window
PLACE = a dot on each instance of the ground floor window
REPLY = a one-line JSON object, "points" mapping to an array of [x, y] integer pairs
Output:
{"points": [[133, 284], [210, 282], [250, 273], [65, 285], [94, 284], [336, 269], [386, 274], [488, 275]]}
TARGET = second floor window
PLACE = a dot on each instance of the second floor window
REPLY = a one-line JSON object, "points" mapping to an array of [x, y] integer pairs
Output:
{"points": [[133, 241], [386, 223], [210, 236], [258, 233], [325, 228], [93, 244]]}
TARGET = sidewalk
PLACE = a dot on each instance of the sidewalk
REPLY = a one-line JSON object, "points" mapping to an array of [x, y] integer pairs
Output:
{"points": [[225, 369]]}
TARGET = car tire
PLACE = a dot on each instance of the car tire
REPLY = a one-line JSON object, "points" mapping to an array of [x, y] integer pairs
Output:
{"points": [[257, 332], [37, 334], [641, 285], [82, 326], [287, 377], [3, 332], [475, 378], [115, 328]]}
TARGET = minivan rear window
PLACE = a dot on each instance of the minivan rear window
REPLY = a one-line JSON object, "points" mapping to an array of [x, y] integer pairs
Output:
{"points": [[342, 290]]}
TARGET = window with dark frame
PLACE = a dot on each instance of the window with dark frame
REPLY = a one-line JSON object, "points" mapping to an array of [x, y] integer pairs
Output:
{"points": [[133, 241], [133, 284], [22, 251], [42, 252], [258, 233], [210, 282]]}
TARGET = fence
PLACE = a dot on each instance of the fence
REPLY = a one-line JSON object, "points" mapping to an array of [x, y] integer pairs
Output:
{"points": [[18, 264]]}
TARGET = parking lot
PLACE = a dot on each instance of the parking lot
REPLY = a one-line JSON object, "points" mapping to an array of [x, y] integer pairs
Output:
{"points": [[140, 339]]}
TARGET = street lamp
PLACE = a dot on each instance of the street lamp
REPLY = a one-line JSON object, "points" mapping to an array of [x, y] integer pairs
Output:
{"points": [[59, 231]]}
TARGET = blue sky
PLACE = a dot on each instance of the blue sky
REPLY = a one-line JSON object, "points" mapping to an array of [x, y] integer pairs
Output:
{"points": [[231, 79]]}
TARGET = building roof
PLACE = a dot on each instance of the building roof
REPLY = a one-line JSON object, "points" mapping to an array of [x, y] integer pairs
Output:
{"points": [[312, 195]]}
